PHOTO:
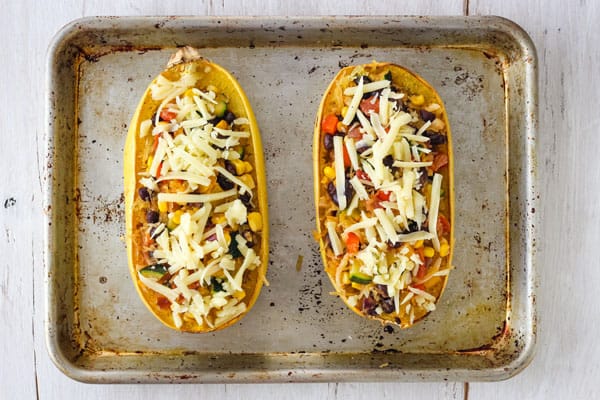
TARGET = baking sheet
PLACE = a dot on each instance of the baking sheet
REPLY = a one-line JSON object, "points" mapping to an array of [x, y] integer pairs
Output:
{"points": [[484, 328]]}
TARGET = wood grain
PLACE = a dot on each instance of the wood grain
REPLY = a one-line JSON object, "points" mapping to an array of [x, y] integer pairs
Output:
{"points": [[567, 364]]}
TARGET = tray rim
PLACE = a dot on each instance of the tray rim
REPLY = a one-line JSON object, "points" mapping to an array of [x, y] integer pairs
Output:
{"points": [[70, 367]]}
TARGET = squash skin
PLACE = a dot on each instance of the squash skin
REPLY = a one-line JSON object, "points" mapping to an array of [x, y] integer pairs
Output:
{"points": [[332, 102], [134, 152]]}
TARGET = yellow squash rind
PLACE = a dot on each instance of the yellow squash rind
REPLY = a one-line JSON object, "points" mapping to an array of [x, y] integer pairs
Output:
{"points": [[210, 74], [332, 102]]}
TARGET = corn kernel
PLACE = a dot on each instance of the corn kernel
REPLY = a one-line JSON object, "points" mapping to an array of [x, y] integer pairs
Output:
{"points": [[239, 294], [358, 286], [444, 249], [341, 127], [417, 100], [227, 237], [247, 167], [239, 166], [189, 93], [418, 244], [345, 278], [222, 124], [176, 217], [149, 162], [329, 172], [428, 252], [255, 221], [218, 219], [171, 225], [344, 111], [248, 180], [163, 206]]}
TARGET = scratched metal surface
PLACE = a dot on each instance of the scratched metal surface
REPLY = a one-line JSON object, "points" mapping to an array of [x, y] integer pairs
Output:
{"points": [[484, 328]]}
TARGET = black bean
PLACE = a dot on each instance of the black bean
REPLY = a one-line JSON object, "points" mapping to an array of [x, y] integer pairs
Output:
{"points": [[154, 233], [332, 192], [423, 176], [362, 148], [394, 245], [435, 138], [348, 191], [224, 183], [215, 121], [366, 79], [369, 305], [388, 305], [230, 167], [245, 198], [229, 117], [412, 226], [328, 142], [152, 216], [144, 194], [388, 161], [382, 291], [388, 329], [426, 115]]}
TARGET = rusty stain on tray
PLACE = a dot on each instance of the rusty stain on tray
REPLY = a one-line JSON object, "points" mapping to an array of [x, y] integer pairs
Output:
{"points": [[314, 337]]}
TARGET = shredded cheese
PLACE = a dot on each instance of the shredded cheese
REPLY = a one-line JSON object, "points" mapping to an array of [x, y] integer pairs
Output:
{"points": [[340, 175]]}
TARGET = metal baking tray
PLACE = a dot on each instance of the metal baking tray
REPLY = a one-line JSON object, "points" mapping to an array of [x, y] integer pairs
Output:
{"points": [[98, 330]]}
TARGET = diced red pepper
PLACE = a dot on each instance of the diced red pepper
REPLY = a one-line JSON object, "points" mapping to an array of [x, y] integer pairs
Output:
{"points": [[158, 169], [419, 286], [383, 195], [352, 243], [347, 161], [362, 175], [167, 115], [329, 124]]}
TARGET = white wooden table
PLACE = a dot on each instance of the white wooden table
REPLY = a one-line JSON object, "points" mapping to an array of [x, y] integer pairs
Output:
{"points": [[567, 364]]}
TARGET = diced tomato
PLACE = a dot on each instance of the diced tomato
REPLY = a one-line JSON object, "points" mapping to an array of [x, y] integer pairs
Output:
{"points": [[367, 106], [443, 226], [163, 303], [167, 115], [419, 286], [355, 132], [362, 175], [329, 124], [382, 195], [352, 243], [158, 170], [372, 203], [439, 160], [347, 161], [421, 272]]}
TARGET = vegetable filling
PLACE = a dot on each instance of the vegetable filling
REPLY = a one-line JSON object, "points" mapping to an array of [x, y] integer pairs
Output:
{"points": [[201, 226], [384, 156]]}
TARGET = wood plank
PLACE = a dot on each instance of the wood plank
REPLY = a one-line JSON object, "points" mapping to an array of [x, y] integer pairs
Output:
{"points": [[567, 363], [31, 372]]}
